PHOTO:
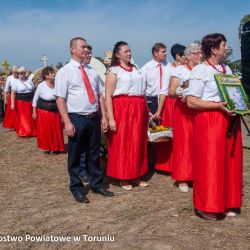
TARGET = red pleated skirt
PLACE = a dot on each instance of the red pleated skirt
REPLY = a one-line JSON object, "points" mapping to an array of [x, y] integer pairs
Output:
{"points": [[217, 171], [10, 116], [24, 124], [127, 147], [164, 150], [49, 131], [182, 163]]}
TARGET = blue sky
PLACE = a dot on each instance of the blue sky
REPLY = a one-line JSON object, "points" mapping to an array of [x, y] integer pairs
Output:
{"points": [[30, 29]]}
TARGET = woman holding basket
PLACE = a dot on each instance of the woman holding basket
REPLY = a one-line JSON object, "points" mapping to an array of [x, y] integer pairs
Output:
{"points": [[128, 119]]}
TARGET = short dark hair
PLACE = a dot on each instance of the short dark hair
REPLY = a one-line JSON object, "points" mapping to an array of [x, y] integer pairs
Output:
{"points": [[89, 47], [46, 72], [211, 41], [114, 59], [157, 47], [177, 49], [73, 40]]}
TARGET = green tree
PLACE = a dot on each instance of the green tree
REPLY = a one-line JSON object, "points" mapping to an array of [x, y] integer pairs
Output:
{"points": [[59, 65], [245, 19]]}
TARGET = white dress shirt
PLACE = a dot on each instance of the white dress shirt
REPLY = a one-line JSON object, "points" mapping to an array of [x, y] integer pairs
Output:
{"points": [[8, 83], [21, 86], [128, 83], [202, 83], [44, 92], [152, 76], [70, 86]]}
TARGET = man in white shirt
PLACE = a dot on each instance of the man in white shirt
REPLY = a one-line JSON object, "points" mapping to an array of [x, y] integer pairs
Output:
{"points": [[79, 99], [157, 74]]}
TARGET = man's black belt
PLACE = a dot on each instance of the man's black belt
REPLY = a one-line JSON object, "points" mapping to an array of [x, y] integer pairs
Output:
{"points": [[24, 96], [91, 115], [153, 97], [47, 105]]}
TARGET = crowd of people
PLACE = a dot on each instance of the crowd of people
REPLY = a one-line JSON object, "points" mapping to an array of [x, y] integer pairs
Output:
{"points": [[182, 95]]}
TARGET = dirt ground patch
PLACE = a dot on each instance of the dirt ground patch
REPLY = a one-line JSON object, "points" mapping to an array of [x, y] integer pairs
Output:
{"points": [[35, 200]]}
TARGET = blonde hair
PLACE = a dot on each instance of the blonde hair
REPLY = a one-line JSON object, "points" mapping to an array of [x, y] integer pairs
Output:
{"points": [[14, 68], [21, 69]]}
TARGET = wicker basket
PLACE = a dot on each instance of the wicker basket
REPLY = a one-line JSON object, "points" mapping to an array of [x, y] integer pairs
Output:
{"points": [[162, 136], [161, 139]]}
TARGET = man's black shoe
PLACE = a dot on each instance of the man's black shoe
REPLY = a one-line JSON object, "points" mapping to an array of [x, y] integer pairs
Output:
{"points": [[103, 192], [81, 198], [84, 179]]}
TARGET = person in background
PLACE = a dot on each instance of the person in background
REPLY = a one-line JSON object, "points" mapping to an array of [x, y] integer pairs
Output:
{"points": [[177, 52], [156, 73], [21, 100], [83, 170], [165, 113], [217, 169], [89, 54], [128, 120], [1, 101], [183, 117], [81, 104], [47, 116], [10, 114]]}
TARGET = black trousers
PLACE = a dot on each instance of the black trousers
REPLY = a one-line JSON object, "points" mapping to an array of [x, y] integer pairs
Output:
{"points": [[84, 150], [152, 102]]}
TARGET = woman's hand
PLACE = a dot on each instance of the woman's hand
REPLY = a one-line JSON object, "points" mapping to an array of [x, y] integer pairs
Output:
{"points": [[34, 116], [157, 115], [12, 107], [222, 106], [112, 125]]}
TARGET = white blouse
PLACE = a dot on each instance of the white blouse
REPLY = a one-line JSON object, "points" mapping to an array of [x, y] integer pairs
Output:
{"points": [[182, 73], [10, 79], [22, 86], [202, 83], [128, 83], [44, 92]]}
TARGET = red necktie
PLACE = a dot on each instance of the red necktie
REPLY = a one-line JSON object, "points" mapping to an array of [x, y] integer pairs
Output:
{"points": [[160, 75], [87, 84]]}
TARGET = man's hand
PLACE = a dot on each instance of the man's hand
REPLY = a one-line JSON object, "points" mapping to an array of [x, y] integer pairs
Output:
{"points": [[104, 125], [70, 129], [112, 125]]}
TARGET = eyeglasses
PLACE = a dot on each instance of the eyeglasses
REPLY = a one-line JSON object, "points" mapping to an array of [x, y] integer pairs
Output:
{"points": [[196, 53], [21, 73]]}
